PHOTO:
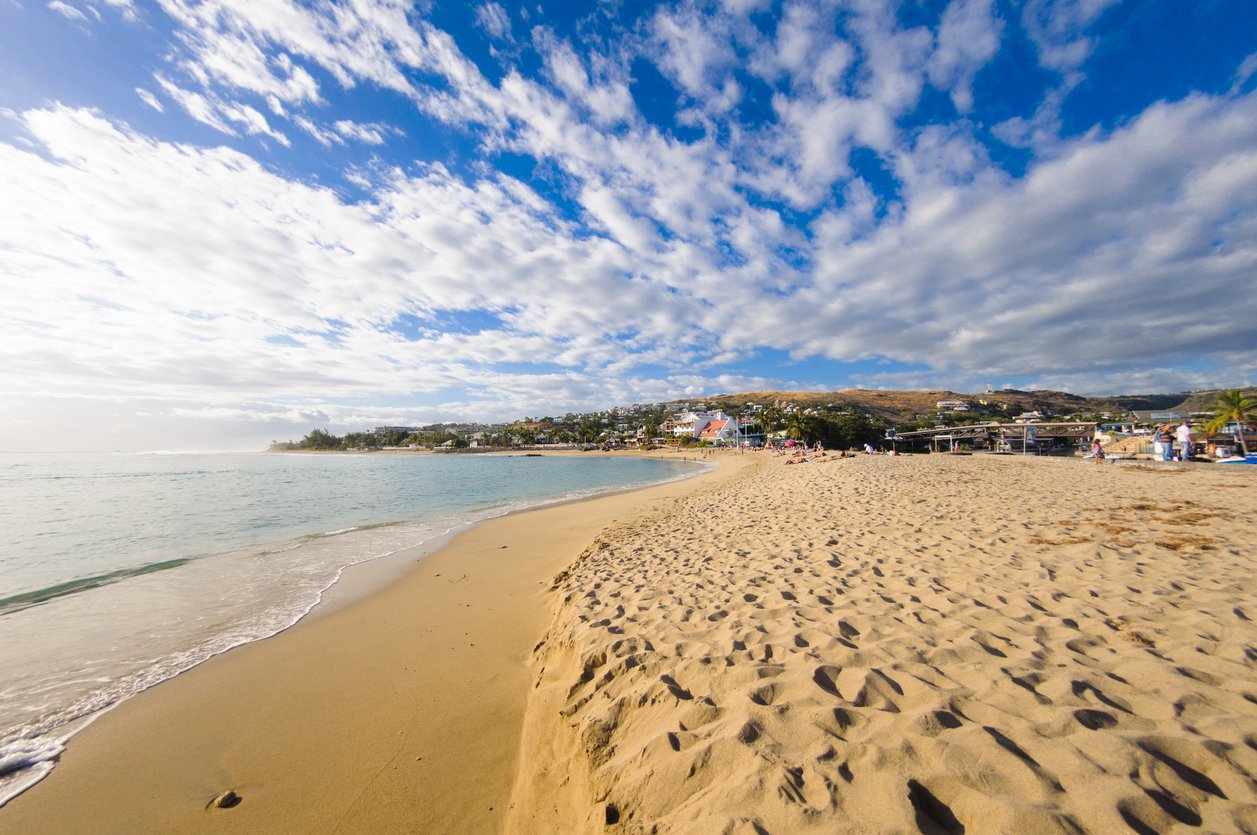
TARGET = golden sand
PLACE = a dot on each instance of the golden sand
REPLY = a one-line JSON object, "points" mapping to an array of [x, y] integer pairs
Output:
{"points": [[874, 644], [908, 644]]}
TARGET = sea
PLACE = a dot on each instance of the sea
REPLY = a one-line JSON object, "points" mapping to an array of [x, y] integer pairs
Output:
{"points": [[119, 571]]}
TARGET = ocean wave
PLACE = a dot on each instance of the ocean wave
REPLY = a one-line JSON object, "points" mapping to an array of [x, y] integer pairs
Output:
{"points": [[25, 600], [292, 579]]}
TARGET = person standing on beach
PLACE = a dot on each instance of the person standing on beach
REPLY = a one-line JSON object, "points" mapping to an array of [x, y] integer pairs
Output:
{"points": [[1097, 451], [1184, 435]]}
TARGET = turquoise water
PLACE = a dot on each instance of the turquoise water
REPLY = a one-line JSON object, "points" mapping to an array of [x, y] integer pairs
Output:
{"points": [[120, 571]]}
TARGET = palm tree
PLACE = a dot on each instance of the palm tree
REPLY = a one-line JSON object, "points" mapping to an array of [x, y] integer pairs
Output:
{"points": [[797, 426], [1229, 406], [771, 418]]}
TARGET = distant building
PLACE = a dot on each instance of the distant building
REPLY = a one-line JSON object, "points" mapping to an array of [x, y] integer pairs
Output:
{"points": [[1151, 416], [953, 405], [719, 431], [388, 430], [691, 424]]}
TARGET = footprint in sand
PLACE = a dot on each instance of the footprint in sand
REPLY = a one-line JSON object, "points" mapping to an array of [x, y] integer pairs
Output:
{"points": [[1095, 720], [227, 800], [765, 695]]}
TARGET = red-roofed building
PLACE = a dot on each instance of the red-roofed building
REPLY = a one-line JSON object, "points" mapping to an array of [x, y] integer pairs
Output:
{"points": [[721, 430]]}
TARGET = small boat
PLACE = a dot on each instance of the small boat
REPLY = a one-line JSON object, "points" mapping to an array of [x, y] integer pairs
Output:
{"points": [[1250, 458]]}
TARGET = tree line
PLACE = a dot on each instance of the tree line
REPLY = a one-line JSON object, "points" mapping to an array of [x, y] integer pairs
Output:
{"points": [[834, 430]]}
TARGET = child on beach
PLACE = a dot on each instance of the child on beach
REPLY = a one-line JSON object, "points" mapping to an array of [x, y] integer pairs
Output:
{"points": [[1097, 451]]}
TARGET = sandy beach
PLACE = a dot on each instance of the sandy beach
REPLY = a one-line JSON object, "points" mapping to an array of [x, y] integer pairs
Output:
{"points": [[876, 644], [882, 644]]}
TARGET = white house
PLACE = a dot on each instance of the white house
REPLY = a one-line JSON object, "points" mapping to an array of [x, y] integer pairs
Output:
{"points": [[720, 431], [685, 425], [692, 424]]}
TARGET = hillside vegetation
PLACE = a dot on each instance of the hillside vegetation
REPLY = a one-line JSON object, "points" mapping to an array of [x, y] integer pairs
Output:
{"points": [[840, 419], [905, 406]]}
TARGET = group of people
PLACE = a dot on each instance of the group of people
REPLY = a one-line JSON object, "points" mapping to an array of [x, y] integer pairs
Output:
{"points": [[1164, 438], [795, 450]]}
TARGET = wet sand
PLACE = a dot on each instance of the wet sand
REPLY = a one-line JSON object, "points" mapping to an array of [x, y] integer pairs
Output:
{"points": [[876, 644], [397, 713]]}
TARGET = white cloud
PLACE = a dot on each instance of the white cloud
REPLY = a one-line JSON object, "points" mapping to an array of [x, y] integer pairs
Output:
{"points": [[218, 114], [895, 59], [199, 107], [204, 273], [611, 215], [250, 48], [325, 137], [213, 260], [968, 37], [1090, 262], [494, 20], [252, 121], [67, 11], [1246, 70], [845, 92], [126, 7], [1058, 30], [799, 35], [1041, 132], [149, 99], [696, 51], [744, 7], [370, 134], [607, 99]]}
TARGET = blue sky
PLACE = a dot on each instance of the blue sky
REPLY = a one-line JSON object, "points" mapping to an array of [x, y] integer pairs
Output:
{"points": [[228, 221]]}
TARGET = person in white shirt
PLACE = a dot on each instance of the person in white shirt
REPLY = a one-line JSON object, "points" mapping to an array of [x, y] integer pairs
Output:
{"points": [[1184, 436]]}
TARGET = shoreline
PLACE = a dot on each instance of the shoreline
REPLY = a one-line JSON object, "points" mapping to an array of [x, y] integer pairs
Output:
{"points": [[910, 643], [362, 579], [452, 631], [36, 748]]}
